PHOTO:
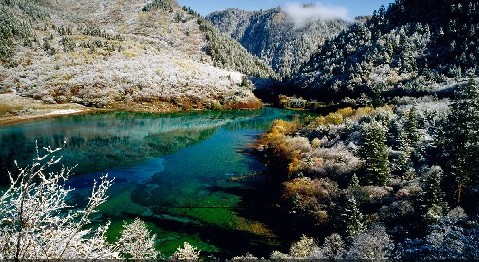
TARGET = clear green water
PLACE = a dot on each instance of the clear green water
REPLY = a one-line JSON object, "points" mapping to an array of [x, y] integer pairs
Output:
{"points": [[173, 171]]}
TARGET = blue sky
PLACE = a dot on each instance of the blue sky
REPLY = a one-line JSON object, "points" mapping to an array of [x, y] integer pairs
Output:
{"points": [[354, 7]]}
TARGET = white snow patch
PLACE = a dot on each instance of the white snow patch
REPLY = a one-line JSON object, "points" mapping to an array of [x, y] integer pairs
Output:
{"points": [[63, 112]]}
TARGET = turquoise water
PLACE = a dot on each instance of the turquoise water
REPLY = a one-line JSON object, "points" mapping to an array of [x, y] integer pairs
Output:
{"points": [[175, 171]]}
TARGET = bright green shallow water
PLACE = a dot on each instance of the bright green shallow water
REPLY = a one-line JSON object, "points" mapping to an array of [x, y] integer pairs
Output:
{"points": [[173, 171]]}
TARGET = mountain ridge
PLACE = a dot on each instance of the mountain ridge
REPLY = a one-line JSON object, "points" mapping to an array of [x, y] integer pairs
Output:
{"points": [[273, 36]]}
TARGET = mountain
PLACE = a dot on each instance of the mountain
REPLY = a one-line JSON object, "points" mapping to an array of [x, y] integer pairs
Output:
{"points": [[410, 48], [122, 54], [275, 37]]}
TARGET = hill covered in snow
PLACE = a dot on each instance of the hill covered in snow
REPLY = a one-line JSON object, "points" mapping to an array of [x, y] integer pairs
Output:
{"points": [[131, 54]]}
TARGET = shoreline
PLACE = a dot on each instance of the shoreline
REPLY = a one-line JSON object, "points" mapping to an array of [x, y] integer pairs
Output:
{"points": [[16, 109], [6, 121]]}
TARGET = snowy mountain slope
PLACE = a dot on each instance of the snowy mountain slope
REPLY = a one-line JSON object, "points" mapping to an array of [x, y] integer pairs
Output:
{"points": [[120, 53], [274, 36]]}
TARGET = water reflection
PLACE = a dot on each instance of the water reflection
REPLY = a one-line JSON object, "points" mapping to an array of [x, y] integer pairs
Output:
{"points": [[167, 169]]}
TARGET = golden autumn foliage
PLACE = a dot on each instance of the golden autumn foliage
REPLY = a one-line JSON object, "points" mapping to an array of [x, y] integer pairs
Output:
{"points": [[281, 128], [310, 196], [343, 114], [293, 166], [286, 150], [320, 188]]}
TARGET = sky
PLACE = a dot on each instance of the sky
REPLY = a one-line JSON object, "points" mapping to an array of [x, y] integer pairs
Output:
{"points": [[352, 8]]}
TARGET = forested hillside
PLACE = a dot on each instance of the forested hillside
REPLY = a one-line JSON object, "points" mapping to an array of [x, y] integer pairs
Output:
{"points": [[395, 176], [393, 182], [274, 37], [412, 47], [151, 55]]}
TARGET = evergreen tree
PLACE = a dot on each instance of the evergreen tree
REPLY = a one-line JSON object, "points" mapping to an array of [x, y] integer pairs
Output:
{"points": [[166, 5], [433, 196], [354, 183], [411, 126], [353, 217], [461, 138], [374, 153], [405, 166]]}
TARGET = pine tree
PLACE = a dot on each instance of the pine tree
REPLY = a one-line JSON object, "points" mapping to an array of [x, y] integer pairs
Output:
{"points": [[461, 138], [433, 196], [405, 166], [353, 217], [374, 153], [354, 183], [411, 126]]}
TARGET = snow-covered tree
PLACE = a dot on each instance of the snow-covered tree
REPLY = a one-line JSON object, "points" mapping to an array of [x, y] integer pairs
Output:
{"points": [[371, 244], [187, 252], [433, 196], [353, 217], [411, 126], [333, 248], [36, 221], [136, 241], [404, 163], [461, 138], [302, 248], [374, 153]]}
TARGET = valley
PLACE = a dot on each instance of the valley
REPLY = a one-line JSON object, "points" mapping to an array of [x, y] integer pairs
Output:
{"points": [[367, 147]]}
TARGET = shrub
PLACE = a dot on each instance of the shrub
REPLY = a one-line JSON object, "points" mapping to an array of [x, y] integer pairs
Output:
{"points": [[136, 241], [334, 161], [333, 248], [276, 255], [305, 186], [310, 197], [371, 244], [298, 143], [282, 127], [346, 112], [245, 257], [316, 142], [303, 248], [187, 252]]}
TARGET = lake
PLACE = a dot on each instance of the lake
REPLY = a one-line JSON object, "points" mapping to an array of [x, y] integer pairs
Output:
{"points": [[178, 172]]}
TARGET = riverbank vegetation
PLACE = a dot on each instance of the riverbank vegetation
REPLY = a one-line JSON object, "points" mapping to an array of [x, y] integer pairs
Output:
{"points": [[397, 181]]}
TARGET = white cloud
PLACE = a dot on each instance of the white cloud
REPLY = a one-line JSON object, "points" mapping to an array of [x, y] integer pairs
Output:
{"points": [[301, 14]]}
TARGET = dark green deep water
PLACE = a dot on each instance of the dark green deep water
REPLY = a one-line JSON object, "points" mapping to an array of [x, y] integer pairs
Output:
{"points": [[173, 171]]}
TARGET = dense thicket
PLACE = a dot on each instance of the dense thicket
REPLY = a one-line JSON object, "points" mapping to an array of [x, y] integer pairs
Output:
{"points": [[16, 18]]}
